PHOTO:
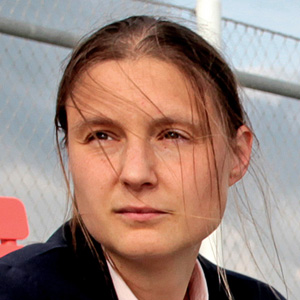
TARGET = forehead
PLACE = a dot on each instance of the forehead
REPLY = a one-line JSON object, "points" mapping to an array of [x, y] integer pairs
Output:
{"points": [[144, 86]]}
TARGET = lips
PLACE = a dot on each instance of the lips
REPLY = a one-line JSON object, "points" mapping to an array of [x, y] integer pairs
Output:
{"points": [[140, 213]]}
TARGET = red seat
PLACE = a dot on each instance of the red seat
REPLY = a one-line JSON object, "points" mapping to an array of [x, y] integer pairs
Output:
{"points": [[13, 224]]}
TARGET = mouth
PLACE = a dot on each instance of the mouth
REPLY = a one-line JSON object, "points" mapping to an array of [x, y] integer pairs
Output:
{"points": [[140, 214]]}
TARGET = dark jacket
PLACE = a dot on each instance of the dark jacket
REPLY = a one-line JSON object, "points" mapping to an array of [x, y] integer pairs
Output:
{"points": [[55, 271]]}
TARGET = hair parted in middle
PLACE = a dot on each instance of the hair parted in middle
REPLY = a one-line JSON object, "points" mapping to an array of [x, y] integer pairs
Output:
{"points": [[140, 36]]}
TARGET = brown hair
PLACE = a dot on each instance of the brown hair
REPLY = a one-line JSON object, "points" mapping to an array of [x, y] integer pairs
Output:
{"points": [[161, 39]]}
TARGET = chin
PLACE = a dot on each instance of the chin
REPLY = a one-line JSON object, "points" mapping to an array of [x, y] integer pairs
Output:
{"points": [[145, 250]]}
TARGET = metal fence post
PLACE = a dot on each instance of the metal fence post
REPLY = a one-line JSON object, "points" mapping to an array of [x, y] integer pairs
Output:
{"points": [[208, 14]]}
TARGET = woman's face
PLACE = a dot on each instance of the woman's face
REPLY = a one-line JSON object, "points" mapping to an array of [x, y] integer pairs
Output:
{"points": [[144, 173]]}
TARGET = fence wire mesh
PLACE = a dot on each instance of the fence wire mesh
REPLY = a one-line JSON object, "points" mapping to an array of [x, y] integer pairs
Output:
{"points": [[29, 77]]}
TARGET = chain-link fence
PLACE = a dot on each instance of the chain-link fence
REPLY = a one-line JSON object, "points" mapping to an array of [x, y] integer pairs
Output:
{"points": [[29, 76]]}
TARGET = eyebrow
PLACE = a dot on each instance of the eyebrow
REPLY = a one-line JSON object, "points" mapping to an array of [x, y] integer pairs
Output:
{"points": [[170, 121], [85, 123]]}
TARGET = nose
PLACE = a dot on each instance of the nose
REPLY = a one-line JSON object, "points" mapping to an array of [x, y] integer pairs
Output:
{"points": [[138, 166]]}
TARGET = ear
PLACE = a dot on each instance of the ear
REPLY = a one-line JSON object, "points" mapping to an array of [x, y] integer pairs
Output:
{"points": [[241, 155]]}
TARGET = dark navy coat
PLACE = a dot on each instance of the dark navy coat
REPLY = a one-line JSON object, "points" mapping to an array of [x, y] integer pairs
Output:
{"points": [[54, 271]]}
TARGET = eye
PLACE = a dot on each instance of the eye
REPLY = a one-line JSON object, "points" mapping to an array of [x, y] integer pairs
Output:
{"points": [[172, 135], [99, 135]]}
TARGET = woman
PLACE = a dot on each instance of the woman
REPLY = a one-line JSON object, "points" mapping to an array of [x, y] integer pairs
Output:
{"points": [[155, 135]]}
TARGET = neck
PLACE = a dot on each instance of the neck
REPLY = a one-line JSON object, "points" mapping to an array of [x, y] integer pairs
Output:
{"points": [[157, 278]]}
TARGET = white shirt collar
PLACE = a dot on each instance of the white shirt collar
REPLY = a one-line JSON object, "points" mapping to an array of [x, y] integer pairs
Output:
{"points": [[197, 285], [122, 290]]}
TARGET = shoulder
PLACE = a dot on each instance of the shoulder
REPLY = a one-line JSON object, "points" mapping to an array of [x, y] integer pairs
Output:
{"points": [[26, 272], [51, 270], [242, 287], [34, 255]]}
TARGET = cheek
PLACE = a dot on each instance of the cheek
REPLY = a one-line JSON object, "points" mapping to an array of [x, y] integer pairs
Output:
{"points": [[90, 174], [205, 185], [91, 188]]}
